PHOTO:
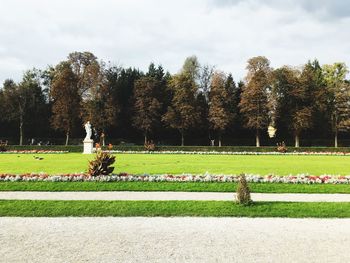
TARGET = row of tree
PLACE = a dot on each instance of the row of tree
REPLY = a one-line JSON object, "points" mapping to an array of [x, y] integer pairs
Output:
{"points": [[198, 98]]}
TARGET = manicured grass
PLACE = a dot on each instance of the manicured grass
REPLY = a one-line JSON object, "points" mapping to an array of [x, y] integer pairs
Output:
{"points": [[171, 186], [178, 164], [172, 208]]}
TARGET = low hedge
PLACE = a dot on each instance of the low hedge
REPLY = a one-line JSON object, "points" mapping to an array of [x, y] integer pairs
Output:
{"points": [[233, 148], [79, 148], [69, 148]]}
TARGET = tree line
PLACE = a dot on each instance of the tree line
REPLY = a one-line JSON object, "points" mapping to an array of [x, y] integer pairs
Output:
{"points": [[199, 101]]}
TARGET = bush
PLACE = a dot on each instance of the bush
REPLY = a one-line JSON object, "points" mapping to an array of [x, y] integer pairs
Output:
{"points": [[150, 146], [101, 165], [243, 191], [3, 146], [281, 147]]}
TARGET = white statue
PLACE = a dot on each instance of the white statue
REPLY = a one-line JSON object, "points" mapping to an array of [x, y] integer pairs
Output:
{"points": [[88, 131]]}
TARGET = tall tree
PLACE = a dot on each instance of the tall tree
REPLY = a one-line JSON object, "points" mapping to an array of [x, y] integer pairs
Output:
{"points": [[87, 70], [254, 97], [311, 95], [220, 103], [182, 114], [338, 97], [99, 107], [23, 100], [65, 98], [205, 77], [191, 67], [122, 82], [147, 105], [293, 108], [343, 107]]}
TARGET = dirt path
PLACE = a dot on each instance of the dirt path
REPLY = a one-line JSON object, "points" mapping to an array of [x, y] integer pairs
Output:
{"points": [[174, 240]]}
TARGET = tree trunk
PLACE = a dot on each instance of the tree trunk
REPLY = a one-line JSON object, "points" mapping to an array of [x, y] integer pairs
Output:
{"points": [[257, 139], [145, 137], [21, 131], [67, 137], [297, 140], [219, 139], [336, 139], [182, 139], [103, 141]]}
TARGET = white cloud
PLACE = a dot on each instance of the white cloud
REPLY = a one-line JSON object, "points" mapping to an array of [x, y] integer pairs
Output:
{"points": [[225, 33]]}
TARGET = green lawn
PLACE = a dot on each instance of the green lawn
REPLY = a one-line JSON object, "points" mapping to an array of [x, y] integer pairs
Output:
{"points": [[178, 164], [173, 186], [172, 208]]}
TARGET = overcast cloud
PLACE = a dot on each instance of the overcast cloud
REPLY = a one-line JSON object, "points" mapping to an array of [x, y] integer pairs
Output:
{"points": [[224, 33]]}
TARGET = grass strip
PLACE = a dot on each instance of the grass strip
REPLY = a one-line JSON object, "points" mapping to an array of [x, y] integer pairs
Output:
{"points": [[39, 208], [179, 163], [172, 186]]}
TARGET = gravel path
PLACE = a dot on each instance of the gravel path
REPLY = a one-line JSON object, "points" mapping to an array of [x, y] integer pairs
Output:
{"points": [[174, 240], [170, 196]]}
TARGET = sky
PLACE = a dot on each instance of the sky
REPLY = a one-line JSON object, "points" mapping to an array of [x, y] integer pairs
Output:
{"points": [[222, 33]]}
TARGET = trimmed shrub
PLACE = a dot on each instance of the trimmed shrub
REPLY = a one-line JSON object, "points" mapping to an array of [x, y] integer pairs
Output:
{"points": [[243, 191]]}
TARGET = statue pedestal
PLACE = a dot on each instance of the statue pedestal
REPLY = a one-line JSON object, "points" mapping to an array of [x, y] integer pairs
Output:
{"points": [[88, 146]]}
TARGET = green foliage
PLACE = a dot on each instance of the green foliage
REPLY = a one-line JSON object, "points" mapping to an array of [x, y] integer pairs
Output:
{"points": [[183, 113], [173, 186], [191, 67], [312, 102], [338, 93], [102, 164], [22, 101], [295, 94], [49, 208]]}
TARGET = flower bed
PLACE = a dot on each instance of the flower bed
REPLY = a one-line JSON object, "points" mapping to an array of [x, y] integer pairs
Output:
{"points": [[232, 153], [33, 151], [123, 177]]}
